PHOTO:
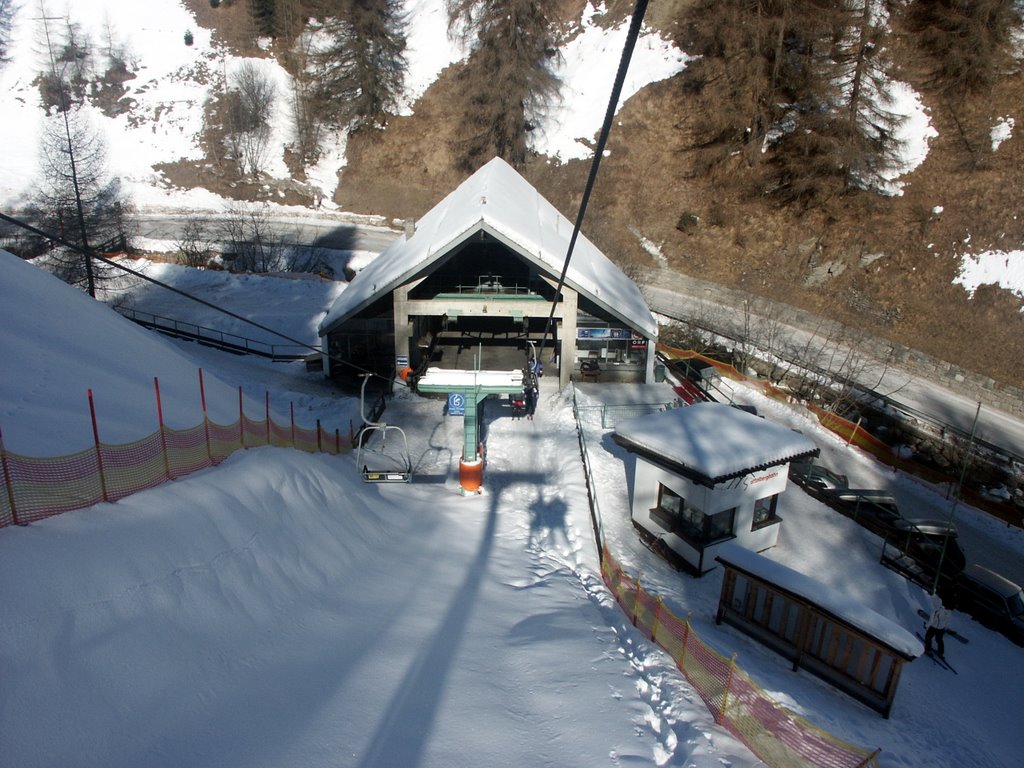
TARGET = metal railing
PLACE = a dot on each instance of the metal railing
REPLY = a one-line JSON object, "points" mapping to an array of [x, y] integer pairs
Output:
{"points": [[211, 337]]}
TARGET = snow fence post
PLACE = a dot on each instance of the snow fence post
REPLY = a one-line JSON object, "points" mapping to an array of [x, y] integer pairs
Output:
{"points": [[7, 480], [636, 596], [206, 421], [96, 442], [160, 422], [319, 445], [241, 418], [686, 641], [725, 692], [266, 399], [870, 759], [654, 624], [291, 405]]}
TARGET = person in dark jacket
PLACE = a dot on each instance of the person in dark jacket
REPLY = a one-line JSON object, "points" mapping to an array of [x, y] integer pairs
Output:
{"points": [[531, 400], [937, 625]]}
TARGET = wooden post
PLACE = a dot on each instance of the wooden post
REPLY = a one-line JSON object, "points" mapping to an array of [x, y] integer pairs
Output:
{"points": [[8, 482], [292, 407], [319, 445], [266, 400], [160, 421], [855, 428], [96, 442], [241, 418], [206, 421]]}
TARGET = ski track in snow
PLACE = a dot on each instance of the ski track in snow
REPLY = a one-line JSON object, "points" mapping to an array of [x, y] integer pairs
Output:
{"points": [[557, 550]]}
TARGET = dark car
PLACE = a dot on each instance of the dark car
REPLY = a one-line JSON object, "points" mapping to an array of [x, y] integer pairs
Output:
{"points": [[993, 600], [930, 544], [875, 510], [814, 477]]}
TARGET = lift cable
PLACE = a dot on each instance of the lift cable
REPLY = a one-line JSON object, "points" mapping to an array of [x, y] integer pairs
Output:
{"points": [[620, 77], [92, 254]]}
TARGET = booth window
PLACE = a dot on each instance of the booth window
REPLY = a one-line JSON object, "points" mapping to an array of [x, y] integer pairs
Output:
{"points": [[764, 512], [675, 515]]}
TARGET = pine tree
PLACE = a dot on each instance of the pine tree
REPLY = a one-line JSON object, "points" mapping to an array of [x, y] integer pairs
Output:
{"points": [[799, 85], [970, 41], [361, 70], [509, 80], [264, 16]]}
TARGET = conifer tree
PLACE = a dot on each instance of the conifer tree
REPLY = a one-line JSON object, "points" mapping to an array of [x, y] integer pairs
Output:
{"points": [[361, 70], [970, 41], [509, 80]]}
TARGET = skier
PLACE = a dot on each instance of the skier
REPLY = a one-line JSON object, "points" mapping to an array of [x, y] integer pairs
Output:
{"points": [[937, 625], [531, 400]]}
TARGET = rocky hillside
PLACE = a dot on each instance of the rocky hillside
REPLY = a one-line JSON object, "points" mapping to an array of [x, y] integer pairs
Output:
{"points": [[884, 265]]}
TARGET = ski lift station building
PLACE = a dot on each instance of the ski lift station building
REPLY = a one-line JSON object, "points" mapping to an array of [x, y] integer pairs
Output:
{"points": [[707, 474], [474, 282]]}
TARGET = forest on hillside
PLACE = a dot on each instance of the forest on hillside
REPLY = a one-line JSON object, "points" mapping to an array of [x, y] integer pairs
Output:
{"points": [[766, 165]]}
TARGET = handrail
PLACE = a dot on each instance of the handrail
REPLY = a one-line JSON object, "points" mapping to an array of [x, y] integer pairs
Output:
{"points": [[212, 337]]}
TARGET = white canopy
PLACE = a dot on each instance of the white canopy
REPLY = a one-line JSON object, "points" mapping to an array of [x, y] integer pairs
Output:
{"points": [[502, 203], [452, 380], [714, 440]]}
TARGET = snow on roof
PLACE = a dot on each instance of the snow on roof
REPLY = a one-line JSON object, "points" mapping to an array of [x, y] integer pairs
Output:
{"points": [[452, 379], [715, 440], [498, 200], [839, 605]]}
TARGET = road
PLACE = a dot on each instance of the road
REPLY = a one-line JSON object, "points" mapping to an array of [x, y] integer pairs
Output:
{"points": [[709, 305], [342, 232]]}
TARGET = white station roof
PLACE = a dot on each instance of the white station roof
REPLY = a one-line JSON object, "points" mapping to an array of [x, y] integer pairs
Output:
{"points": [[502, 203], [714, 440]]}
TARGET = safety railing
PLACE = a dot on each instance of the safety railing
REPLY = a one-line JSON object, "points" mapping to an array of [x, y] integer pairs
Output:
{"points": [[230, 342]]}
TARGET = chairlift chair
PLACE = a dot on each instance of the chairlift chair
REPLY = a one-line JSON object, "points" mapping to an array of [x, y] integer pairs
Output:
{"points": [[401, 469]]}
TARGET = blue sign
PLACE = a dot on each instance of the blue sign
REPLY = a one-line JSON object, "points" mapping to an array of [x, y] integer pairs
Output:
{"points": [[456, 404]]}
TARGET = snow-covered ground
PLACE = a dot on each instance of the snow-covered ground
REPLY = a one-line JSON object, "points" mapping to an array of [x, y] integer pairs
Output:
{"points": [[277, 611]]}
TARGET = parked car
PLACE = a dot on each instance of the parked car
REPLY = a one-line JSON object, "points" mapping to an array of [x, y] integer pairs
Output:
{"points": [[875, 510], [815, 477], [993, 600], [930, 544]]}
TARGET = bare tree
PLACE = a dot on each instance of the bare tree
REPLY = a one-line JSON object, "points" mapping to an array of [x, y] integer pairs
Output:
{"points": [[250, 103], [251, 239], [77, 199], [509, 79], [307, 109], [66, 53], [194, 247]]}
